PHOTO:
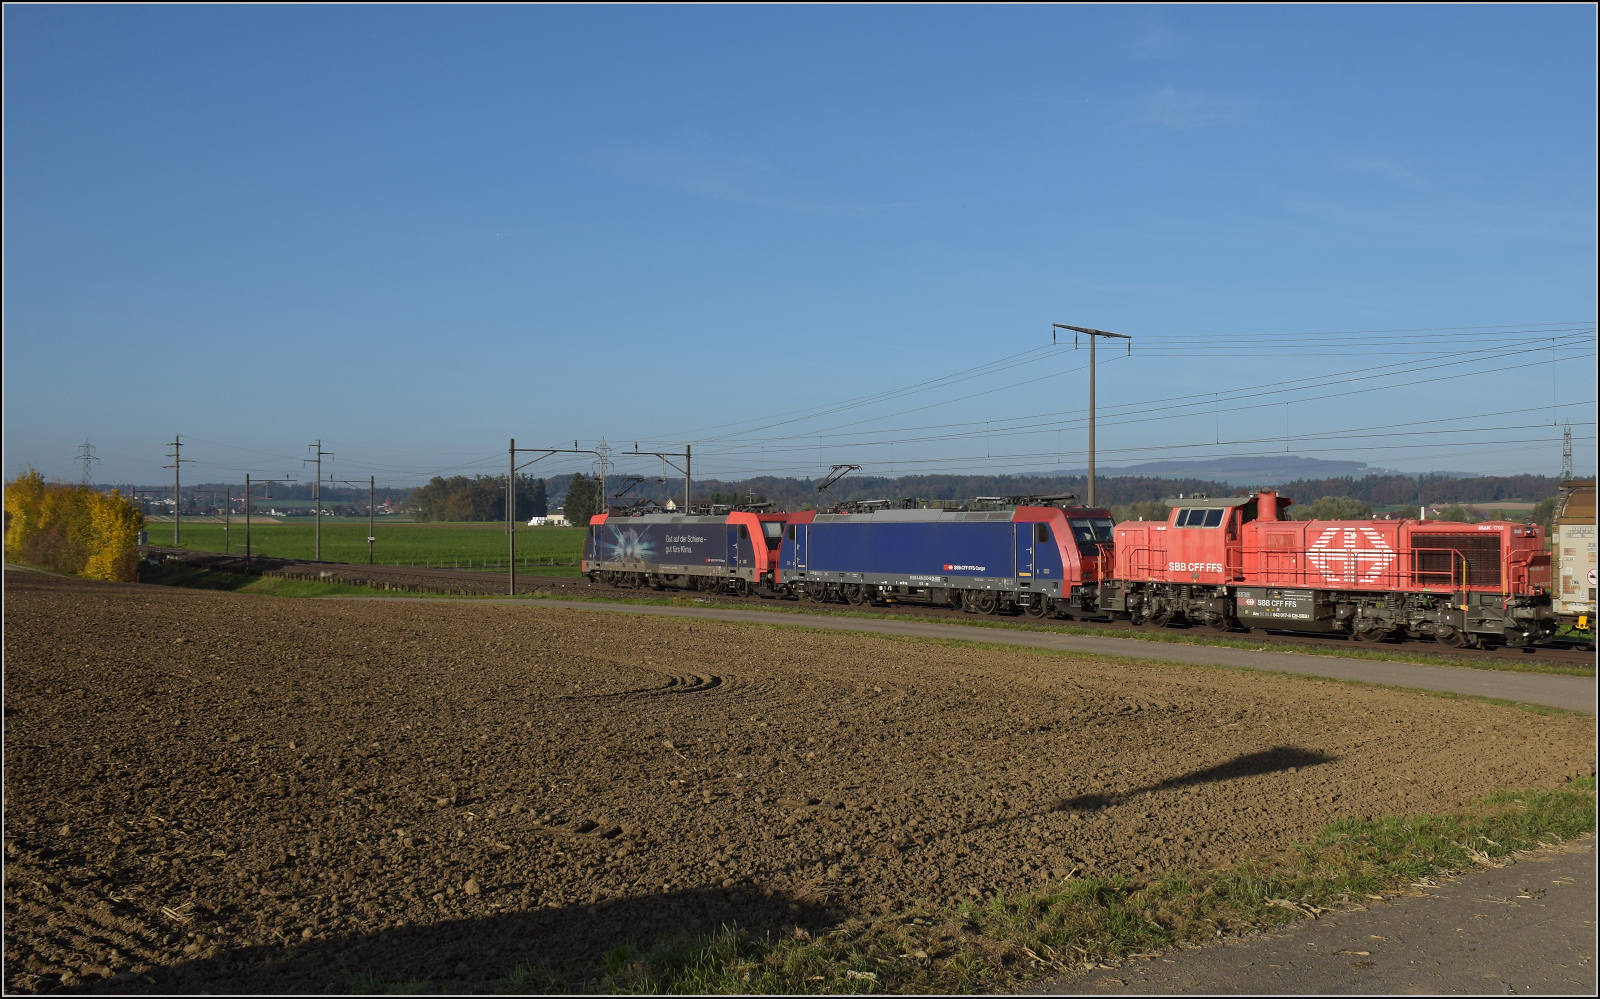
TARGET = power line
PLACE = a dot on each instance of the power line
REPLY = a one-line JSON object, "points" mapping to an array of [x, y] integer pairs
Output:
{"points": [[1175, 407], [1027, 356]]}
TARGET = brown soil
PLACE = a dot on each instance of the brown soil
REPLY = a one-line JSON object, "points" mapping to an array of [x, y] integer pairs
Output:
{"points": [[222, 792]]}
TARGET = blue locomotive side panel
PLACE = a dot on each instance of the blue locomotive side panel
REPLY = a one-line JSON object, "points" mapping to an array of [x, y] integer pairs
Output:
{"points": [[916, 550], [631, 542]]}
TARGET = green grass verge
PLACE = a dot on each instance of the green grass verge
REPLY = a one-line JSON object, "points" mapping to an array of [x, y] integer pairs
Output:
{"points": [[1138, 635], [197, 577], [1083, 923], [469, 545], [402, 543]]}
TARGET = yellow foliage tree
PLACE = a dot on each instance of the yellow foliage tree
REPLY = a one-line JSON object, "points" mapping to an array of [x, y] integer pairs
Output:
{"points": [[71, 528]]}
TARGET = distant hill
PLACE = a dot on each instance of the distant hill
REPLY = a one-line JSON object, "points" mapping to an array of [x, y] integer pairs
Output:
{"points": [[1118, 489], [1260, 471]]}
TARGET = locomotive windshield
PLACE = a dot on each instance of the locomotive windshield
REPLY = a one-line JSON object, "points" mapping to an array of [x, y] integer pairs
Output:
{"points": [[773, 529], [1090, 534]]}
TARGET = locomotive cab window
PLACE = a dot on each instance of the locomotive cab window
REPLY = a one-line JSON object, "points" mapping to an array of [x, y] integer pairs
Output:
{"points": [[1091, 534], [791, 532], [1199, 517], [1041, 533], [744, 533], [773, 529]]}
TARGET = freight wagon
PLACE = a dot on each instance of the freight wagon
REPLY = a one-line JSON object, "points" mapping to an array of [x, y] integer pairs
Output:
{"points": [[1572, 544], [1225, 563]]}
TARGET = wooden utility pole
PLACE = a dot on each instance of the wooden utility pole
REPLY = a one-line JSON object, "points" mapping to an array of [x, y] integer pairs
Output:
{"points": [[1092, 334], [316, 492], [177, 487]]}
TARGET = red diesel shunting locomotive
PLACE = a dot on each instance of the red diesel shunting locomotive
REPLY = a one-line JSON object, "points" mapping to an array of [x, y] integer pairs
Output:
{"points": [[1229, 562]]}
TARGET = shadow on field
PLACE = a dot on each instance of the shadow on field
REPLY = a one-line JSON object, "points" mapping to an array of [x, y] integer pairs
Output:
{"points": [[1267, 761], [459, 954], [172, 572]]}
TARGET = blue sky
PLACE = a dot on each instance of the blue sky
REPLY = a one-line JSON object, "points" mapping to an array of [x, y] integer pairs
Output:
{"points": [[415, 232]]}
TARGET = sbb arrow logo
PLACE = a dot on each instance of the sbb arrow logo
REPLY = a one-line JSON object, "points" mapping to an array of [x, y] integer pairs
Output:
{"points": [[1350, 555]]}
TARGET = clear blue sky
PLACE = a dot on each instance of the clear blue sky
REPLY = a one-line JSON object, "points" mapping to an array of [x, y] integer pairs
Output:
{"points": [[414, 232]]}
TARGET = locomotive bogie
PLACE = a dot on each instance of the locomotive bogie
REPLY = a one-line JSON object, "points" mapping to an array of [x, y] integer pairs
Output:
{"points": [[1484, 619]]}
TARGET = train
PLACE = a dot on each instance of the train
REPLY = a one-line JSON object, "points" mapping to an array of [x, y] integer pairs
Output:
{"points": [[1222, 564]]}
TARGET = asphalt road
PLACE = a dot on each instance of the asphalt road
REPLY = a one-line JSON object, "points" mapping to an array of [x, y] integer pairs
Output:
{"points": [[1572, 693], [1528, 928]]}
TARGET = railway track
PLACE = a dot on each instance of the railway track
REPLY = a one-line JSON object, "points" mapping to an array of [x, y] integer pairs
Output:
{"points": [[488, 583]]}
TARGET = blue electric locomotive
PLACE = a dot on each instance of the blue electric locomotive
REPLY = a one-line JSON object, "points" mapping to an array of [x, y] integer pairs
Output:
{"points": [[1036, 559]]}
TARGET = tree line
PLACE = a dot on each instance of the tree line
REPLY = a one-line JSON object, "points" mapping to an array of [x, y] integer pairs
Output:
{"points": [[71, 528], [482, 497], [1393, 490]]}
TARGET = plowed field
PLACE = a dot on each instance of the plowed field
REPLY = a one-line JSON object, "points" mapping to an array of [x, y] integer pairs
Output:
{"points": [[217, 792]]}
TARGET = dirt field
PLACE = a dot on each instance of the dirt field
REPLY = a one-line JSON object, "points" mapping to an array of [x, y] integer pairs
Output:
{"points": [[221, 792]]}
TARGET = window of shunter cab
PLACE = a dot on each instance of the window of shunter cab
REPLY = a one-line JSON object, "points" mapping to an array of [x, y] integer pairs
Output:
{"points": [[1200, 517]]}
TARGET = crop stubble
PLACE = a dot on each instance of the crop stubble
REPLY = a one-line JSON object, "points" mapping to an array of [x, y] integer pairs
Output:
{"points": [[256, 793]]}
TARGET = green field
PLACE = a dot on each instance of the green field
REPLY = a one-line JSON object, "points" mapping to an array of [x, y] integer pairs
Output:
{"points": [[469, 545]]}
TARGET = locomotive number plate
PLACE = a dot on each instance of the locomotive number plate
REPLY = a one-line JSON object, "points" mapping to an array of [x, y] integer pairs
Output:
{"points": [[1278, 605]]}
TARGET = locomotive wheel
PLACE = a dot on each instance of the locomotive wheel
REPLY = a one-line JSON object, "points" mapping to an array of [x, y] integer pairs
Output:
{"points": [[1371, 633], [1160, 619], [1219, 624], [856, 595], [981, 602], [741, 587], [1039, 608], [1450, 638], [813, 594]]}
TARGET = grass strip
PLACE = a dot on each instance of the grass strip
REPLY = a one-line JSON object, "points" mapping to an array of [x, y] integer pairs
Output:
{"points": [[789, 607], [975, 643], [1164, 637], [176, 573], [1081, 925]]}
